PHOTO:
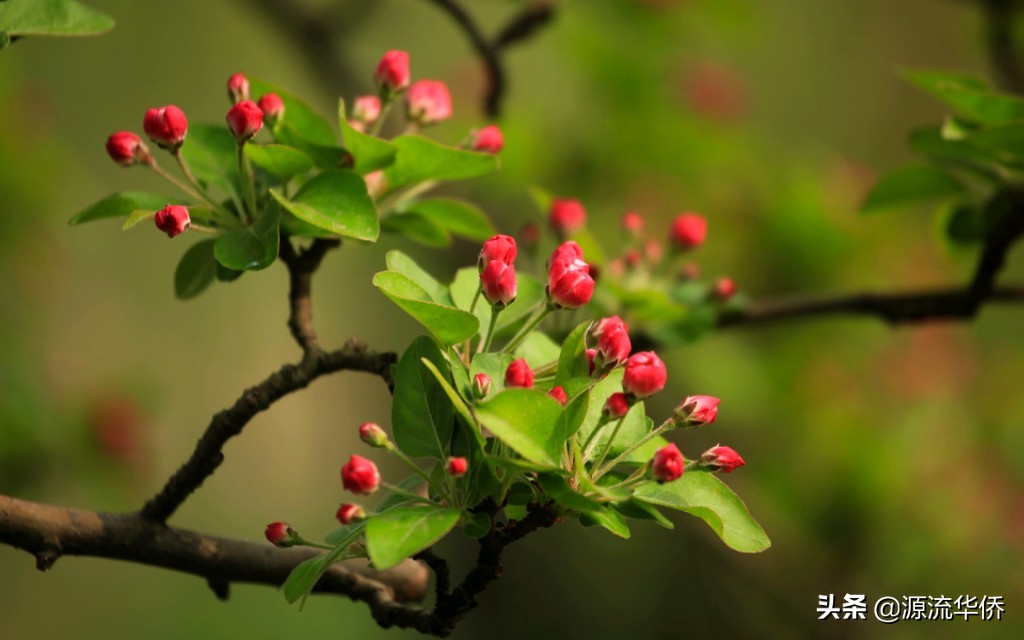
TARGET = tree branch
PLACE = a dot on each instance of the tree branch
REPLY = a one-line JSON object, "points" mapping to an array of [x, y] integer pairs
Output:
{"points": [[1000, 18], [48, 532]]}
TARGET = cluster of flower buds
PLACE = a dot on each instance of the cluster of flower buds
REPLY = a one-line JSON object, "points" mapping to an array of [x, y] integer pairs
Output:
{"points": [[426, 101], [570, 284]]}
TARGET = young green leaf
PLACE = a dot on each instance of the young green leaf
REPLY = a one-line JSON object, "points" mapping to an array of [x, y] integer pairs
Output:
{"points": [[125, 203], [640, 510], [298, 115], [448, 324], [252, 248], [210, 151], [969, 96], [279, 160], [455, 216], [416, 228], [526, 420], [399, 262], [607, 518], [370, 152], [400, 533], [572, 361], [196, 270], [421, 413], [420, 159], [51, 18], [909, 185], [304, 577], [335, 201], [557, 487], [701, 494]]}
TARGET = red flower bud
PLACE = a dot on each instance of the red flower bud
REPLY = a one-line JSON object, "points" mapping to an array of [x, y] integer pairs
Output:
{"points": [[457, 467], [481, 385], [668, 464], [125, 148], [166, 126], [349, 513], [498, 281], [280, 534], [689, 230], [519, 374], [719, 458], [373, 435], [569, 283], [172, 220], [238, 88], [616, 406], [360, 476], [272, 107], [428, 101], [697, 411], [499, 247], [645, 374], [591, 355], [558, 393], [393, 71], [366, 109], [613, 345], [632, 223], [488, 139], [724, 288], [566, 216], [245, 119]]}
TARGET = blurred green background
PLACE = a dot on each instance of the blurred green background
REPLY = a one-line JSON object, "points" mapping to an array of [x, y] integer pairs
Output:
{"points": [[880, 461]]}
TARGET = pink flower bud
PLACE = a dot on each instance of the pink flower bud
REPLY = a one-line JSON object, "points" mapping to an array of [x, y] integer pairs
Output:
{"points": [[172, 220], [481, 385], [724, 288], [697, 411], [519, 374], [558, 393], [238, 88], [689, 230], [613, 345], [668, 464], [393, 71], [591, 356], [125, 148], [632, 223], [166, 126], [498, 281], [428, 101], [653, 251], [373, 435], [280, 534], [616, 406], [360, 476], [645, 375], [376, 183], [488, 139], [498, 247], [569, 282], [566, 216], [272, 107], [366, 109], [245, 119], [349, 513], [719, 458], [457, 467]]}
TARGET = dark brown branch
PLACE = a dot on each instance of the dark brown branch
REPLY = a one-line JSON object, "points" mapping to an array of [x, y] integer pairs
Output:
{"points": [[48, 532], [1000, 24], [301, 267]]}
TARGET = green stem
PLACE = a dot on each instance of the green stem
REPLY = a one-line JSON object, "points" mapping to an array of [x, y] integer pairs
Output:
{"points": [[245, 178], [608, 444], [192, 193], [485, 345], [665, 426], [476, 298], [444, 491], [636, 477], [318, 545], [402, 492], [542, 313], [199, 190], [385, 109]]}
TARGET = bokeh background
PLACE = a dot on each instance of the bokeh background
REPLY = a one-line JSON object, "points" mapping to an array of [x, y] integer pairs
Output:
{"points": [[880, 461]]}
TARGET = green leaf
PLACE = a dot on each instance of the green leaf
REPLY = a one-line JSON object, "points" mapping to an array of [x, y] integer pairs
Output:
{"points": [[370, 152], [125, 203], [493, 365], [228, 275], [335, 201], [416, 228], [478, 526], [279, 160], [558, 489], [574, 415], [448, 324], [909, 185], [399, 262], [196, 270], [640, 510], [969, 96], [480, 481], [701, 494], [139, 216], [609, 519], [420, 159], [449, 390], [393, 500], [963, 225], [531, 291], [526, 420], [538, 349], [400, 533], [51, 18], [304, 577], [211, 154], [572, 361], [323, 155], [252, 248], [455, 216], [298, 115], [421, 413], [1003, 141]]}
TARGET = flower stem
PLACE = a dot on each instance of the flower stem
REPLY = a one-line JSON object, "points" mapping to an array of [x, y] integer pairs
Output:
{"points": [[485, 345], [542, 313], [192, 193], [608, 443], [398, 453], [245, 178], [665, 426], [199, 190], [407, 494]]}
